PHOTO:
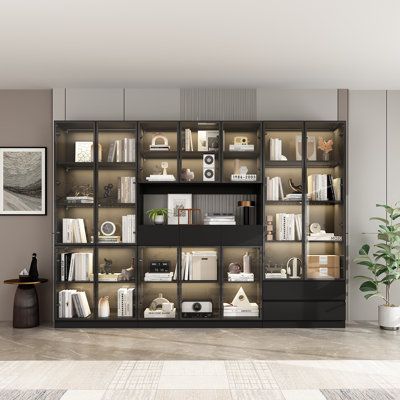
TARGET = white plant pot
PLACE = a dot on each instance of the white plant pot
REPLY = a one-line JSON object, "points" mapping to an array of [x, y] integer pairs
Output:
{"points": [[389, 317], [159, 219]]}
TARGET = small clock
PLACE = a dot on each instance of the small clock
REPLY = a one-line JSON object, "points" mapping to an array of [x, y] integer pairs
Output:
{"points": [[315, 227], [107, 228]]}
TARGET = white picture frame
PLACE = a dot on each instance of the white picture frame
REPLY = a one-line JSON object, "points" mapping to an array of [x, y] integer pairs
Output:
{"points": [[207, 140], [176, 201], [23, 173]]}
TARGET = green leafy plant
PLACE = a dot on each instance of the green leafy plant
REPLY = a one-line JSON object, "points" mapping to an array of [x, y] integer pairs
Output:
{"points": [[384, 261], [154, 212]]}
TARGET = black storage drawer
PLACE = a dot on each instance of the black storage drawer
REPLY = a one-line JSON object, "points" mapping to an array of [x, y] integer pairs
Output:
{"points": [[199, 235], [304, 290], [158, 235], [304, 310], [241, 235]]}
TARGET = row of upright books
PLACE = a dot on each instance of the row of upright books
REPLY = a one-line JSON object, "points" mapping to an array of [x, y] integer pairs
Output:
{"points": [[73, 303], [275, 149], [76, 266], [323, 187], [288, 226], [73, 230], [126, 304], [127, 189], [123, 150], [274, 188], [129, 228]]}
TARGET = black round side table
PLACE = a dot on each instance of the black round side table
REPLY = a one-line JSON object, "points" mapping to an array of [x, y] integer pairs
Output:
{"points": [[26, 305]]}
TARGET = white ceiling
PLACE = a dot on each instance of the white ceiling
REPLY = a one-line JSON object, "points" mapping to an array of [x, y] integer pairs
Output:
{"points": [[196, 43]]}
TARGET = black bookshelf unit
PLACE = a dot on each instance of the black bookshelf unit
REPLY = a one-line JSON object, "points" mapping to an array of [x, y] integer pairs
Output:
{"points": [[314, 297]]}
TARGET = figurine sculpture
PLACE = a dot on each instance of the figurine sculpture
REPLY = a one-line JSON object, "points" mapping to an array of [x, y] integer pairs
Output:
{"points": [[107, 266], [33, 271], [107, 190]]}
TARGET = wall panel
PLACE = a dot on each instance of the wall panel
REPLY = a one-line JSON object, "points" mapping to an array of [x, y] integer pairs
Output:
{"points": [[95, 104], [296, 104], [152, 104]]}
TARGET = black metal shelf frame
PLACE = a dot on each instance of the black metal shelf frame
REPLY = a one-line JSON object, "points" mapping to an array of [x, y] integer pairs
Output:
{"points": [[218, 187]]}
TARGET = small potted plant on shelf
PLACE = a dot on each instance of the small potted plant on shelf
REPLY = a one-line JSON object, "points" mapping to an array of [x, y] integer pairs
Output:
{"points": [[383, 263], [326, 146], [158, 215]]}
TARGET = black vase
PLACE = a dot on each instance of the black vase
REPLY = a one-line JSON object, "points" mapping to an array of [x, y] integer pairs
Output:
{"points": [[33, 270]]}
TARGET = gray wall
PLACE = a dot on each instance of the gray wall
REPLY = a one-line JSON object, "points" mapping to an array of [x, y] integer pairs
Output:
{"points": [[26, 120], [374, 144]]}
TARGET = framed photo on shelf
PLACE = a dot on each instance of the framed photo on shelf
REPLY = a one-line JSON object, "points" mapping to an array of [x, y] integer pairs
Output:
{"points": [[176, 202], [207, 140], [23, 180]]}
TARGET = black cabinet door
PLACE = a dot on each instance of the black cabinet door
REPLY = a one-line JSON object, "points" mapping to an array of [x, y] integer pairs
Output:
{"points": [[304, 290], [304, 310]]}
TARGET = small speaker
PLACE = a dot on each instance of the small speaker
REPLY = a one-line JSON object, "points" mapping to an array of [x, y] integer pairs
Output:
{"points": [[209, 167]]}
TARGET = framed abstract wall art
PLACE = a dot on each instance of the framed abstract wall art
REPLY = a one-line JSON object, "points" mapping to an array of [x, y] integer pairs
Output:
{"points": [[23, 180]]}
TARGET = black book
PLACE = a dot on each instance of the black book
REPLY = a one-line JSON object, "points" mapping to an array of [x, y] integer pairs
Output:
{"points": [[331, 192], [67, 264]]}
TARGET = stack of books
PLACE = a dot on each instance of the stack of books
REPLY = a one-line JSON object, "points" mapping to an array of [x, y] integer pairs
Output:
{"points": [[129, 228], [122, 150], [322, 187], [239, 312], [241, 277], [324, 236], [241, 147], [73, 230], [125, 302], [127, 189], [274, 188], [76, 266], [288, 226], [275, 149], [158, 276], [72, 303], [219, 219], [276, 275], [293, 197], [109, 238], [79, 199]]}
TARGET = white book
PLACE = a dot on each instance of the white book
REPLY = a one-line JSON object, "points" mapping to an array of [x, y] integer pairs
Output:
{"points": [[272, 149], [84, 304], [111, 152], [278, 149], [175, 276], [281, 195], [62, 267], [337, 188], [60, 304], [125, 149], [118, 150], [188, 263], [71, 273], [82, 232]]}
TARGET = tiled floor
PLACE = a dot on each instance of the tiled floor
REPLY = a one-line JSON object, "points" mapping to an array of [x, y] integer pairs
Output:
{"points": [[200, 380], [360, 362]]}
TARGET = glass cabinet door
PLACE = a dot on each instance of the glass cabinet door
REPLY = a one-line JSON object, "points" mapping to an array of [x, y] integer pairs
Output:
{"points": [[241, 152], [158, 152], [325, 212], [283, 174]]}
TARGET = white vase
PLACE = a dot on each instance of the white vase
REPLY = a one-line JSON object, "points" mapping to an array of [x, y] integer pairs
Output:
{"points": [[389, 317], [104, 307], [159, 219]]}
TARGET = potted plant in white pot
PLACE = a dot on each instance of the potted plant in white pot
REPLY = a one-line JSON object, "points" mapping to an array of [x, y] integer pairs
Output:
{"points": [[383, 263], [158, 215]]}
